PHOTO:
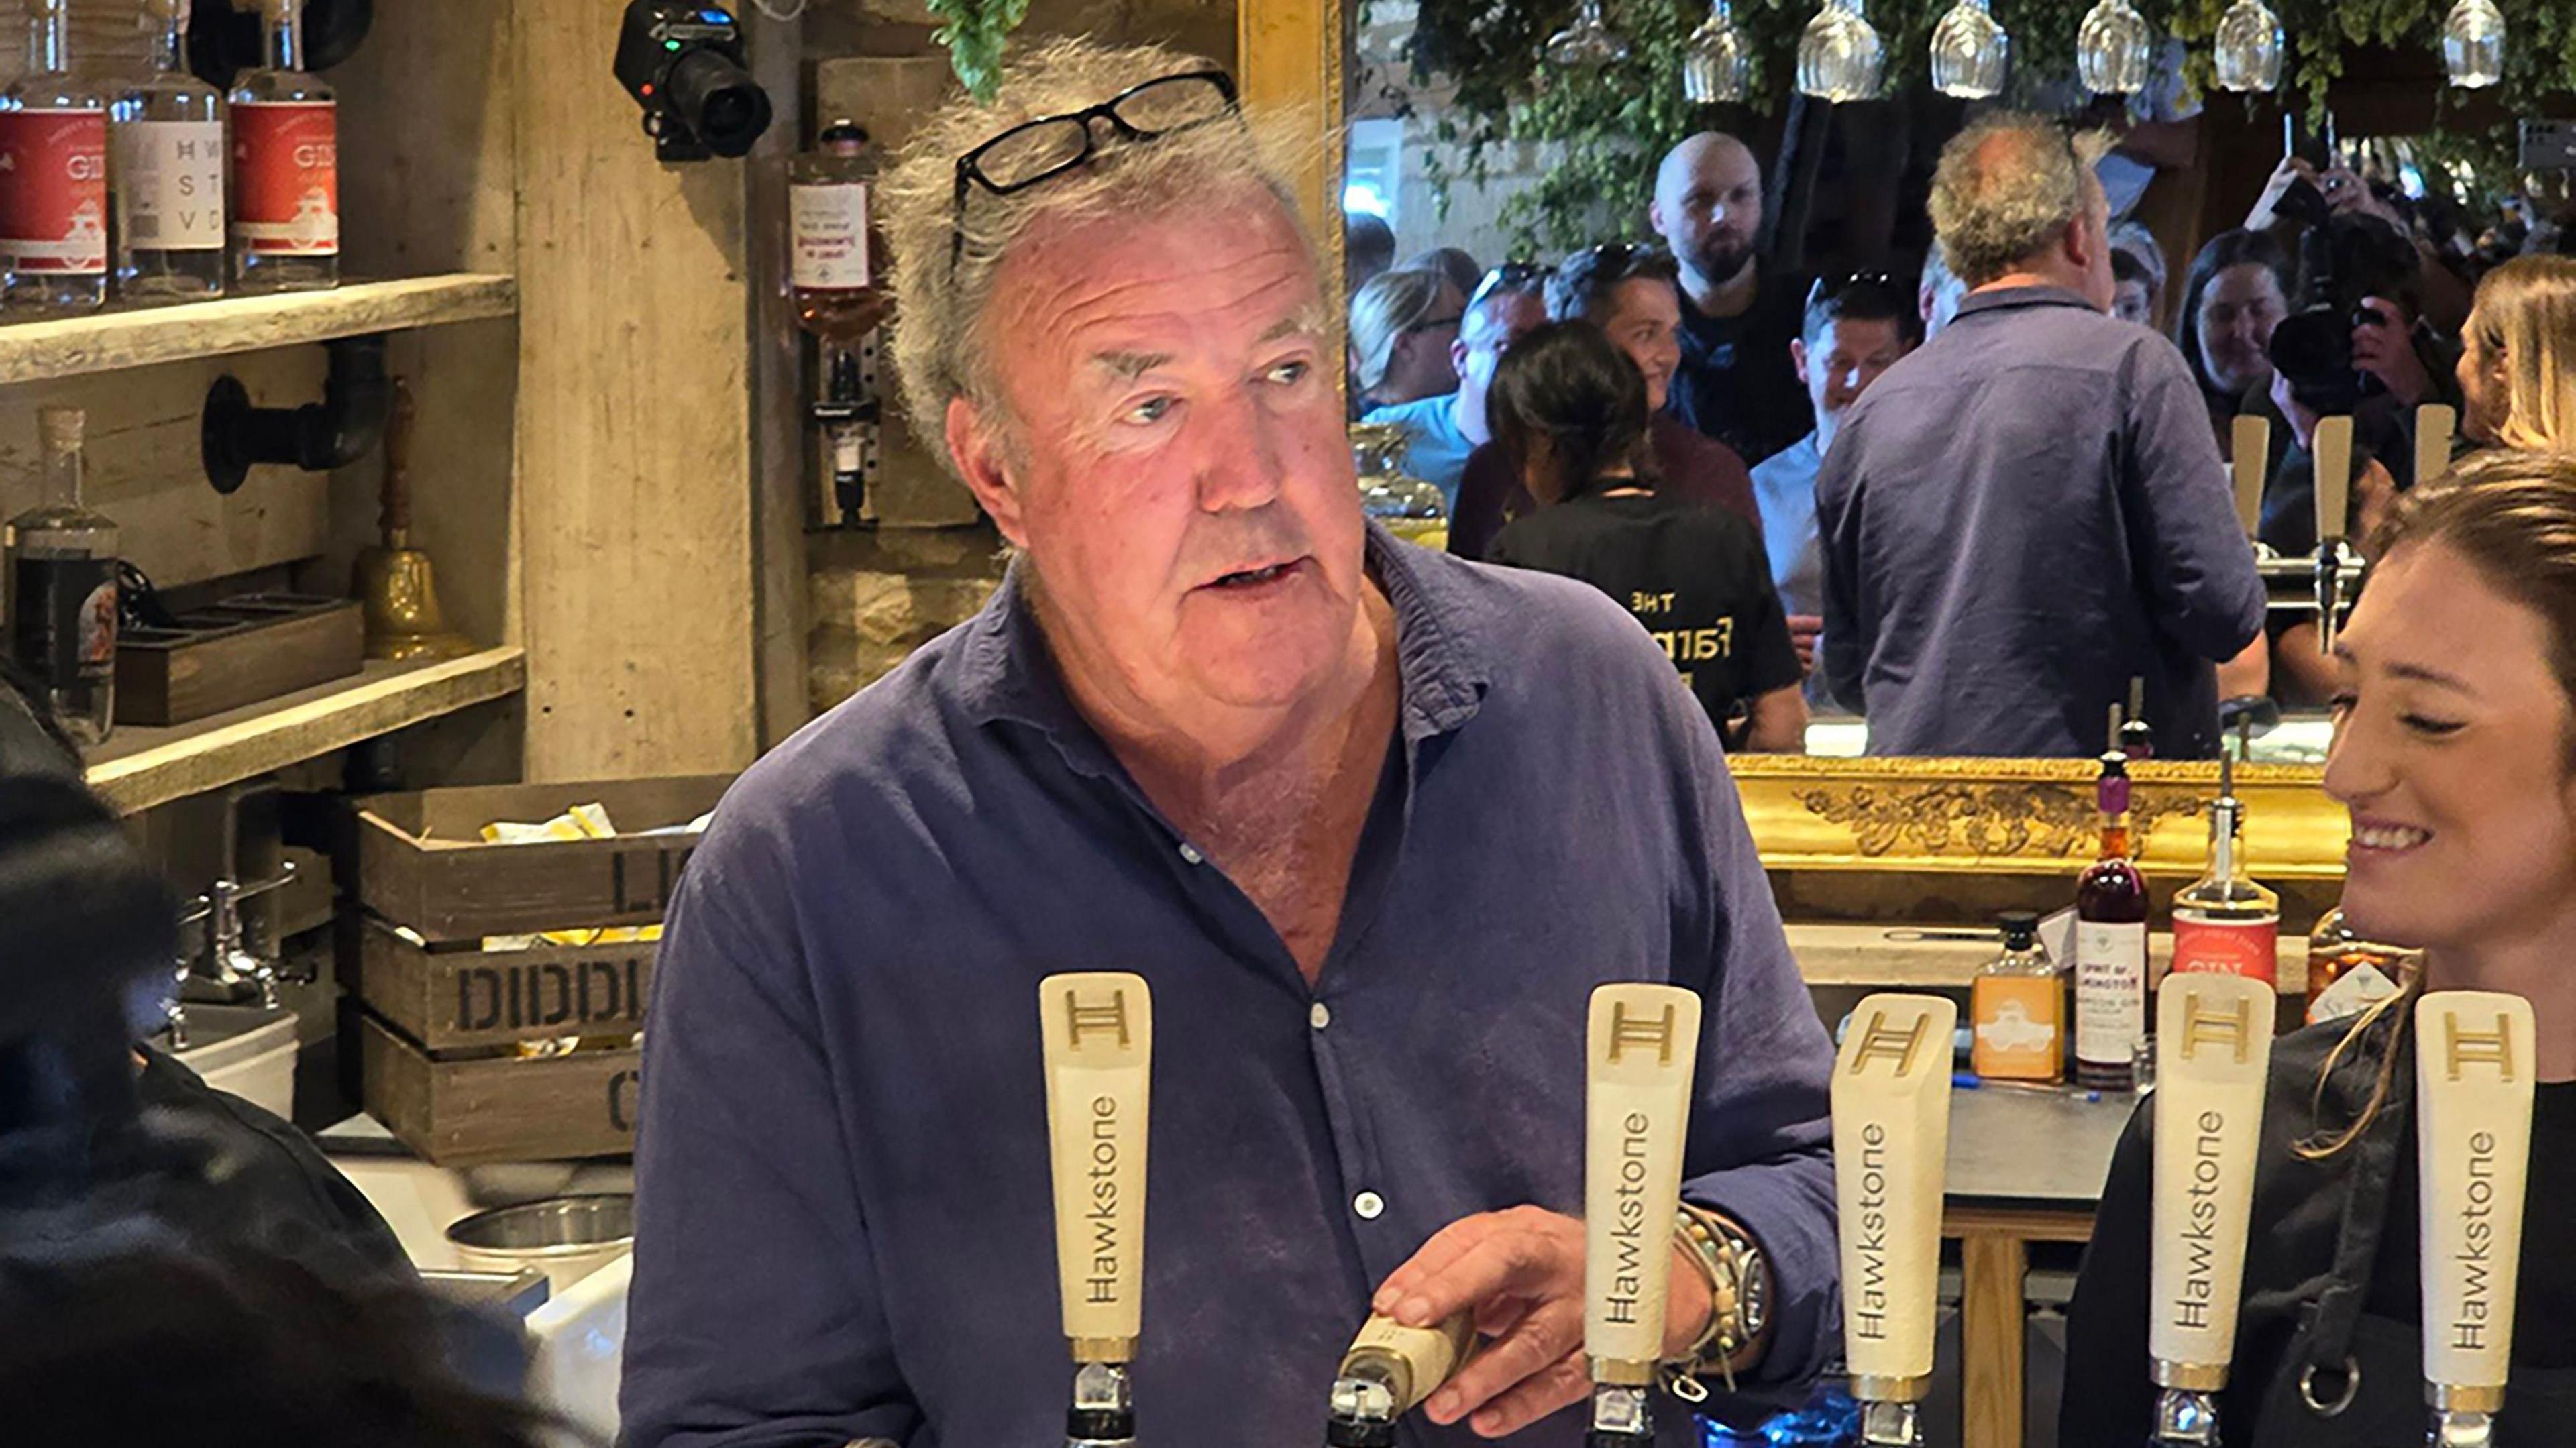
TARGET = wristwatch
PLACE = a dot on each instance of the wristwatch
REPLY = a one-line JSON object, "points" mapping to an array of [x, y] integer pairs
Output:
{"points": [[1739, 1288]]}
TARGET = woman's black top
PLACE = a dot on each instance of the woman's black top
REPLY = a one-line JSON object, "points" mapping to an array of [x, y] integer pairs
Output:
{"points": [[2303, 1212], [1694, 575]]}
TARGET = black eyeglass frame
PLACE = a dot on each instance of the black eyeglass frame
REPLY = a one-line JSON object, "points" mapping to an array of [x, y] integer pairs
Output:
{"points": [[1825, 289], [1511, 276], [970, 170]]}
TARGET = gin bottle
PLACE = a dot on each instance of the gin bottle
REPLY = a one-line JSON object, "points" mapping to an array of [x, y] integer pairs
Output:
{"points": [[53, 175], [168, 139], [286, 167], [61, 566]]}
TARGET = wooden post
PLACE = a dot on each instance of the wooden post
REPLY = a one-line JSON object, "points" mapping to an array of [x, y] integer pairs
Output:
{"points": [[634, 425]]}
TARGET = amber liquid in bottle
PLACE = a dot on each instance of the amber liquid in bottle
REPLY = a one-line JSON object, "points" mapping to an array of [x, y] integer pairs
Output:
{"points": [[2110, 947]]}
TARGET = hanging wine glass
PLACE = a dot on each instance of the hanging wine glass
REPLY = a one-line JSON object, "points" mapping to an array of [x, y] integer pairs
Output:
{"points": [[2113, 48], [1840, 57], [1970, 52], [1715, 59], [1588, 44], [2473, 43], [2249, 47]]}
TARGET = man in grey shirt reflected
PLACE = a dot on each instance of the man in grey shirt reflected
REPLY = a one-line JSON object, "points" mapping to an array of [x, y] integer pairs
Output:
{"points": [[1371, 821], [2029, 511]]}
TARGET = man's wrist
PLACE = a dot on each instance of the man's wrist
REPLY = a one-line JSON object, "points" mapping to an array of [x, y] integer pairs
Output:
{"points": [[1738, 1278]]}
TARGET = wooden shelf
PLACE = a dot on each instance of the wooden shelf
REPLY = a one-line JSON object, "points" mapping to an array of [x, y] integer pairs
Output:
{"points": [[139, 768], [110, 340], [1903, 957]]}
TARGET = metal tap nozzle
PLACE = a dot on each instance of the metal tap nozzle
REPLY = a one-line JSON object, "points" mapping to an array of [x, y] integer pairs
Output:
{"points": [[2187, 1417], [1103, 1414], [231, 961], [2461, 1428], [1621, 1416]]}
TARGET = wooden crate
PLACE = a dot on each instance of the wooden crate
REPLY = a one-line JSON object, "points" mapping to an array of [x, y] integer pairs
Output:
{"points": [[422, 862], [241, 651], [461, 997], [484, 1109]]}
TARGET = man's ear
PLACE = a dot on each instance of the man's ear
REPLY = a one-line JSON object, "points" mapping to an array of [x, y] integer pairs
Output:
{"points": [[975, 443], [1655, 216], [1458, 355], [1798, 358]]}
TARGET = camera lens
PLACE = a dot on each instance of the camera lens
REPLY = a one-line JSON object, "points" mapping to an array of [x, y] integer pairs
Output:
{"points": [[714, 98]]}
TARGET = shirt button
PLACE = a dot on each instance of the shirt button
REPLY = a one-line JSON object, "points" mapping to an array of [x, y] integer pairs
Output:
{"points": [[1369, 1205], [1191, 853], [1319, 1015]]}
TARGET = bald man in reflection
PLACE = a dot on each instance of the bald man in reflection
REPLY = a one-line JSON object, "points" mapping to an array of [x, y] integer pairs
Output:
{"points": [[1735, 383]]}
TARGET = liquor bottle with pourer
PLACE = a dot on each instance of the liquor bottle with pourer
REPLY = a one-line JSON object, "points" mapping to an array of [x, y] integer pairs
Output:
{"points": [[1098, 1034], [53, 175], [286, 167], [2213, 1053], [1641, 1046], [2226, 921], [168, 138], [1891, 1106], [2110, 945]]}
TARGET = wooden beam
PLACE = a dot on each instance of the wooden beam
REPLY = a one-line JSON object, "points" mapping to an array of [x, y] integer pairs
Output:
{"points": [[634, 425], [111, 341], [139, 768]]}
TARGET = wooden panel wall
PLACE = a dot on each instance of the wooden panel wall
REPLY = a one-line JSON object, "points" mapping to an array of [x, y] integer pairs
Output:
{"points": [[633, 424]]}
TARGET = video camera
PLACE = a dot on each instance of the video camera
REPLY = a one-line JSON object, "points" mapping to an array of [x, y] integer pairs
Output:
{"points": [[2342, 261]]}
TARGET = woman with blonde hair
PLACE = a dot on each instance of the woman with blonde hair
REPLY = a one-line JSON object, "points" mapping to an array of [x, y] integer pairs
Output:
{"points": [[1402, 323], [2455, 751], [2518, 363]]}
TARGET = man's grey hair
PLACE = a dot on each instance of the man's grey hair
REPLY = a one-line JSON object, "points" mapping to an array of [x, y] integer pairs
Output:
{"points": [[2006, 187], [941, 341]]}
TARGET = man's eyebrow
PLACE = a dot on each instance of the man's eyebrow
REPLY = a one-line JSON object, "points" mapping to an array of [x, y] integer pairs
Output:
{"points": [[1128, 366], [1307, 320]]}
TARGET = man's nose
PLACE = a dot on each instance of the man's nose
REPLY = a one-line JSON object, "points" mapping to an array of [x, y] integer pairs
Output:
{"points": [[1240, 465]]}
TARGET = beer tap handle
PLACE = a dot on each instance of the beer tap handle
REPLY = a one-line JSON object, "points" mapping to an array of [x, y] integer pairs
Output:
{"points": [[2252, 449], [2435, 422], [1891, 1108], [2213, 1055], [2474, 1075], [1098, 1035], [1641, 1048], [2333, 457]]}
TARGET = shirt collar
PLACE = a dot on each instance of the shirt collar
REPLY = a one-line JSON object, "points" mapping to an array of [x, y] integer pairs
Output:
{"points": [[2024, 297], [1443, 629]]}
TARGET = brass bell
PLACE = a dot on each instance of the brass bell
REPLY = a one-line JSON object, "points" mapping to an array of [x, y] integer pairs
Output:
{"points": [[395, 583]]}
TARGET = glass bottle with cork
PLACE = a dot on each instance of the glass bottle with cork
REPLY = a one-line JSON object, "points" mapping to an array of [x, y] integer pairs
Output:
{"points": [[836, 260], [2110, 944], [2225, 922], [60, 560], [2016, 1009], [53, 175], [285, 219], [168, 138]]}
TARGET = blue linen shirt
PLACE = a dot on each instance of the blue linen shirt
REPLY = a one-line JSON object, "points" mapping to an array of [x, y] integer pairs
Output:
{"points": [[2021, 516], [1438, 452], [843, 1212], [1784, 487]]}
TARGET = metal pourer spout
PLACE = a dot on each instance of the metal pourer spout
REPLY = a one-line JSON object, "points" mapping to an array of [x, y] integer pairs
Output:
{"points": [[1103, 1414], [2187, 1417]]}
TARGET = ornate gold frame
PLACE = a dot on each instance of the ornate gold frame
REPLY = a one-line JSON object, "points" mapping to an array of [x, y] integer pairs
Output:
{"points": [[2024, 816], [1937, 816]]}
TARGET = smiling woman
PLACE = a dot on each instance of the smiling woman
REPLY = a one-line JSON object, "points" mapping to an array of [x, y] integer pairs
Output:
{"points": [[2455, 751]]}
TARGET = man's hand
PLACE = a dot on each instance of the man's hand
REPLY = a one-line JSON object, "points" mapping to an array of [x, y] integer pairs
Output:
{"points": [[1521, 1271], [2386, 349], [1804, 630]]}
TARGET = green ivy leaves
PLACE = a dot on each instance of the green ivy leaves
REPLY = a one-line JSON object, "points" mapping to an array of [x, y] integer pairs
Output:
{"points": [[974, 32]]}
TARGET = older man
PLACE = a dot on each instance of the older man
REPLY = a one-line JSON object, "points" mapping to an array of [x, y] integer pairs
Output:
{"points": [[1737, 318], [1343, 802], [2029, 511]]}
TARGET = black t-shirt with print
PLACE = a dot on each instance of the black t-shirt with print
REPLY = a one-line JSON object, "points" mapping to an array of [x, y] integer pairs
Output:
{"points": [[1737, 382], [1694, 575]]}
